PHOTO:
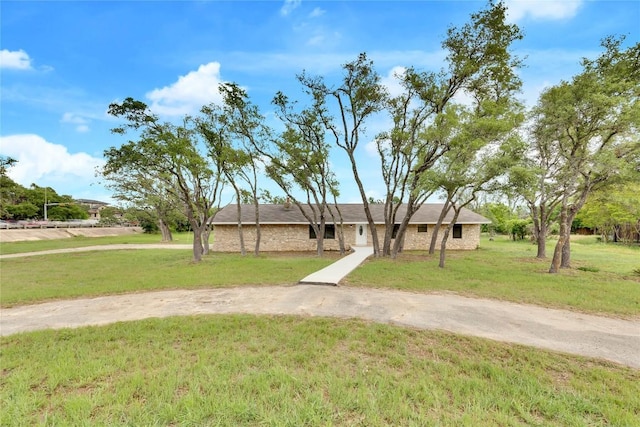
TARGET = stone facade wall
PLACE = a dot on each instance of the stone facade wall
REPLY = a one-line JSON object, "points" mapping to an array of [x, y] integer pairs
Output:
{"points": [[414, 240], [272, 238], [296, 238]]}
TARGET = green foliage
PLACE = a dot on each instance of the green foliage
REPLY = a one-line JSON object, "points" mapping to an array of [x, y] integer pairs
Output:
{"points": [[500, 215], [171, 166], [20, 203], [21, 211], [608, 209], [110, 215], [518, 228], [67, 212]]}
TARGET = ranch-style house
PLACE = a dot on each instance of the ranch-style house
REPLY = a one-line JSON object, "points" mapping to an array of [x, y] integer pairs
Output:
{"points": [[284, 228]]}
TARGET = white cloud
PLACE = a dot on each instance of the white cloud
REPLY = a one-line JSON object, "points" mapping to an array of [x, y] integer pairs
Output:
{"points": [[318, 40], [289, 6], [46, 163], [392, 80], [82, 124], [17, 59], [542, 9], [316, 12], [189, 93]]}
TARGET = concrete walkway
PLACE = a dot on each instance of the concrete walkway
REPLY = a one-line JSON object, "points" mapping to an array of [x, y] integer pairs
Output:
{"points": [[332, 274]]}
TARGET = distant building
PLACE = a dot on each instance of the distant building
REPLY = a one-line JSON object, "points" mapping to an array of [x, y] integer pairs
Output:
{"points": [[94, 207]]}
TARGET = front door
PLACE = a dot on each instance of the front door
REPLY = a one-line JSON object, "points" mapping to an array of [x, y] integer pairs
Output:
{"points": [[361, 234]]}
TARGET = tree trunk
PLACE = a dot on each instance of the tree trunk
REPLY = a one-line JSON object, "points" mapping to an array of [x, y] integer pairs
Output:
{"points": [[205, 239], [447, 231], [341, 239], [399, 242], [256, 250], [386, 245], [566, 253], [557, 256], [165, 231], [436, 229], [443, 244], [197, 242], [539, 229], [320, 238], [541, 241], [365, 202], [243, 250], [571, 215], [338, 224], [557, 253]]}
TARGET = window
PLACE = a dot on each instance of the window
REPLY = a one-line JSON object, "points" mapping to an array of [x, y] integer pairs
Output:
{"points": [[396, 227], [329, 232], [457, 231], [422, 228]]}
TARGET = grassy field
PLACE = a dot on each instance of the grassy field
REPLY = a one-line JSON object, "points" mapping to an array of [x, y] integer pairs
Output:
{"points": [[39, 278], [262, 370], [602, 280], [286, 371]]}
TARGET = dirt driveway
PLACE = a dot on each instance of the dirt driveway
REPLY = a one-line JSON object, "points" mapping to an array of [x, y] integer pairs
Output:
{"points": [[607, 338]]}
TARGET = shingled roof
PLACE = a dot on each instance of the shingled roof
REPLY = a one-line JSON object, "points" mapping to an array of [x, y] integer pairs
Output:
{"points": [[351, 214]]}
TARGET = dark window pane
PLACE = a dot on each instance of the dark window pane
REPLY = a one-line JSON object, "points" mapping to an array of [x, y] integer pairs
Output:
{"points": [[422, 228], [396, 227], [329, 232], [457, 231]]}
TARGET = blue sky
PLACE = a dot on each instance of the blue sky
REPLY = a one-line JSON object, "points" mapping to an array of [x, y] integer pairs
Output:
{"points": [[63, 62]]}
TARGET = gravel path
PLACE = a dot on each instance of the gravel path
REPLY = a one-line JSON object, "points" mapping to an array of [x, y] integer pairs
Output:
{"points": [[607, 338]]}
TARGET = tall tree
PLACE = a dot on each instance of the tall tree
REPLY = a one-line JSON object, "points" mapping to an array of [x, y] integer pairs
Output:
{"points": [[357, 98], [138, 187], [484, 148], [248, 128], [425, 117], [593, 121], [173, 155], [536, 179], [301, 162], [215, 130]]}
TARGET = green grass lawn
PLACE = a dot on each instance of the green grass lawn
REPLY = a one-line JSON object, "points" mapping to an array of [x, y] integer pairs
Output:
{"points": [[38, 278], [244, 370], [231, 370], [500, 269], [507, 270]]}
